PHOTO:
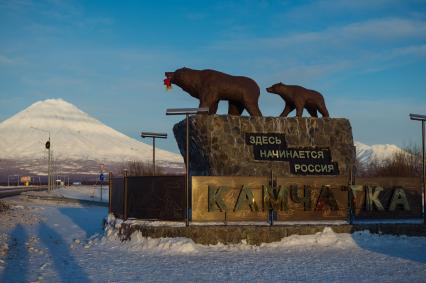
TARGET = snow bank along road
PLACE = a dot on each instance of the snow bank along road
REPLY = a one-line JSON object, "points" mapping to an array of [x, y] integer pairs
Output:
{"points": [[43, 241]]}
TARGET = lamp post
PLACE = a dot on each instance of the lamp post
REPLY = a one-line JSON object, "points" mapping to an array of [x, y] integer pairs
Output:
{"points": [[153, 136], [49, 159], [422, 118], [187, 112]]}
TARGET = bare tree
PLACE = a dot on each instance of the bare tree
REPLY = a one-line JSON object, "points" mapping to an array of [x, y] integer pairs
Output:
{"points": [[405, 163], [139, 168]]}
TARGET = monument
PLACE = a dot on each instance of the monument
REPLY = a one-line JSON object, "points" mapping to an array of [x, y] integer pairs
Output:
{"points": [[254, 170], [232, 145], [239, 154], [244, 167]]}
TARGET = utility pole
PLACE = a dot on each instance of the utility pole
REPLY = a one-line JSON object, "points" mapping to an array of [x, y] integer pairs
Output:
{"points": [[49, 165]]}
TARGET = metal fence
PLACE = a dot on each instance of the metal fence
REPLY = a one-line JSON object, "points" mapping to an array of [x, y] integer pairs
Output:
{"points": [[116, 203], [386, 198], [148, 197]]}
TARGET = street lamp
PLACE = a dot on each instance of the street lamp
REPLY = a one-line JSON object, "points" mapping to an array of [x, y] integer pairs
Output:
{"points": [[153, 136], [187, 112], [422, 118], [49, 159]]}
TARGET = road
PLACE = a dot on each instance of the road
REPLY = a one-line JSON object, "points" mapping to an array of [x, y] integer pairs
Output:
{"points": [[13, 191]]}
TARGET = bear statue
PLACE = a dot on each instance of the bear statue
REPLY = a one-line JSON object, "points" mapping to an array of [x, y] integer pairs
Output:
{"points": [[297, 97], [211, 86]]}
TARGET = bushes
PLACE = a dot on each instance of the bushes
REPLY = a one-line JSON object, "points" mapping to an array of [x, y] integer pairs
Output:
{"points": [[406, 163], [139, 168]]}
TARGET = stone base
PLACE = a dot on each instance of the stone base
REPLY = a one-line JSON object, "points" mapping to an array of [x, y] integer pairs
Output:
{"points": [[218, 143]]}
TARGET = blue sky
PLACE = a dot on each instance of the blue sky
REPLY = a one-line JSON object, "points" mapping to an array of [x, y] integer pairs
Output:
{"points": [[368, 58]]}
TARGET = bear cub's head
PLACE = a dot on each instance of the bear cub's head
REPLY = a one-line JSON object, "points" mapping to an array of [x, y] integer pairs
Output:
{"points": [[276, 88]]}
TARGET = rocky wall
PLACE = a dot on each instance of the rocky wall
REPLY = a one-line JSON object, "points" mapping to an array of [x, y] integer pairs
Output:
{"points": [[219, 144]]}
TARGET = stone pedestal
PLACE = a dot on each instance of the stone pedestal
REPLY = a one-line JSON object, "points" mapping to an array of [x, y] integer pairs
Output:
{"points": [[222, 145]]}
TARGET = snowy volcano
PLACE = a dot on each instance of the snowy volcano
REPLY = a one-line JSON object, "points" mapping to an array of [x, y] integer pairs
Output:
{"points": [[74, 136], [378, 152]]}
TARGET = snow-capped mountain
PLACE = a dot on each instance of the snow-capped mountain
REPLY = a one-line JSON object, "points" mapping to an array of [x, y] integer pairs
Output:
{"points": [[74, 136], [379, 152]]}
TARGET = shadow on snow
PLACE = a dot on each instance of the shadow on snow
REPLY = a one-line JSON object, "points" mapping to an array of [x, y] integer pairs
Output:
{"points": [[89, 219], [64, 263], [17, 257], [404, 247]]}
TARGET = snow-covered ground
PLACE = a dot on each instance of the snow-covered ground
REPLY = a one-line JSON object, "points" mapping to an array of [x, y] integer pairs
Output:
{"points": [[56, 242], [95, 193]]}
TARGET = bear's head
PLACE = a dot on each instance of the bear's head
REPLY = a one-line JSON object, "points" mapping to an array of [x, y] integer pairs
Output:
{"points": [[176, 76], [279, 87]]}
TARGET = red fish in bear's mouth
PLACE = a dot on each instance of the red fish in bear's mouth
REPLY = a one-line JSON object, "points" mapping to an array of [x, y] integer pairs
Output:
{"points": [[168, 80], [168, 83]]}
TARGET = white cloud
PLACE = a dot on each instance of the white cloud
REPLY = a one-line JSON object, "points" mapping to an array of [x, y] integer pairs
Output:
{"points": [[342, 8], [6, 60], [390, 58], [414, 50], [379, 29], [367, 46], [378, 121], [300, 73], [373, 31]]}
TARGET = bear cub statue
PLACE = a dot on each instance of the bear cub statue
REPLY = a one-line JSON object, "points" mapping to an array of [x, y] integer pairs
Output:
{"points": [[210, 86], [297, 97]]}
